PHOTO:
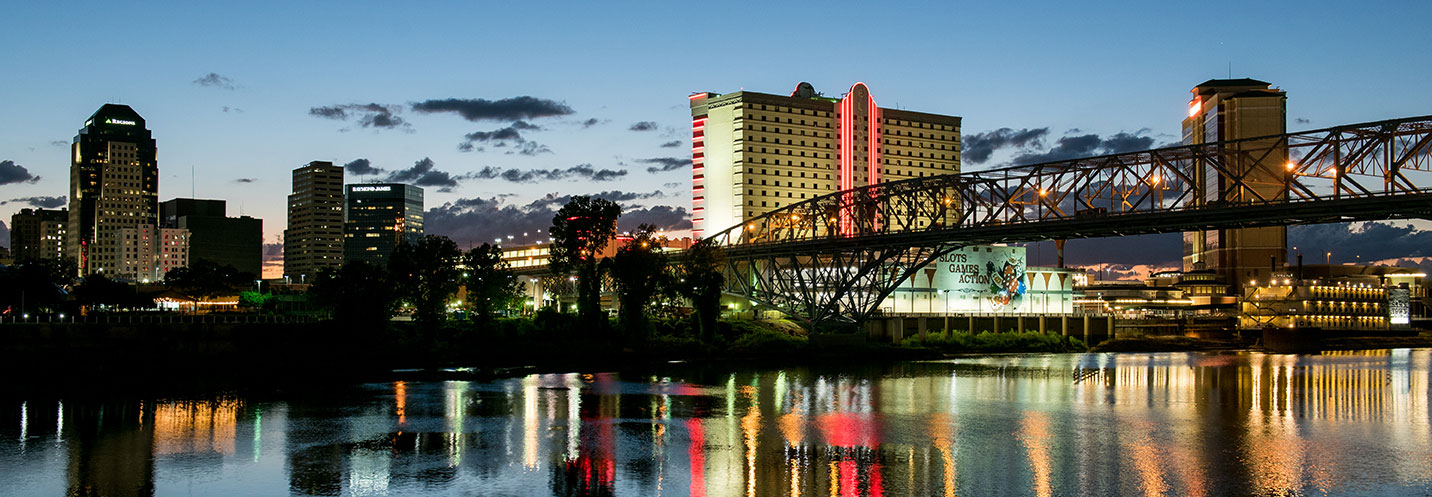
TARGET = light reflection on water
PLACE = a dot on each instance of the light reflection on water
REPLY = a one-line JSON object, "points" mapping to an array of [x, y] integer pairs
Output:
{"points": [[1095, 424]]}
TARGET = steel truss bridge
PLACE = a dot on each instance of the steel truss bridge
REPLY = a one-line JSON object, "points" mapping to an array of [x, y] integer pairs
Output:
{"points": [[836, 257]]}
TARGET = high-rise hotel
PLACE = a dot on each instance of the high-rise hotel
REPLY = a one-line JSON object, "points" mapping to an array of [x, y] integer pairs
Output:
{"points": [[114, 195], [1238, 109], [755, 152]]}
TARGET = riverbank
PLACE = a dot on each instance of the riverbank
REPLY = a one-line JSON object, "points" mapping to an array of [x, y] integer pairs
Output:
{"points": [[204, 356]]}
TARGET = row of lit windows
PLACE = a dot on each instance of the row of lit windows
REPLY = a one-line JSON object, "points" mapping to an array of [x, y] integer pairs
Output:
{"points": [[897, 122]]}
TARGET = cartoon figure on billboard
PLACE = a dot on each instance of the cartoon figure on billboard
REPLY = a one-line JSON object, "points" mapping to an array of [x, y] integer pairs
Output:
{"points": [[1006, 283]]}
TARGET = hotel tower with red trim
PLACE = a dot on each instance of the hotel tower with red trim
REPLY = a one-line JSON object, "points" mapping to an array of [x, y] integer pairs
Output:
{"points": [[755, 152]]}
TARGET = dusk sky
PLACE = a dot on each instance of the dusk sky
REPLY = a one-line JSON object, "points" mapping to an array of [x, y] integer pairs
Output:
{"points": [[492, 107]]}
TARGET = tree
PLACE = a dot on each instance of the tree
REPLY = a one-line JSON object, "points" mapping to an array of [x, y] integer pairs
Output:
{"points": [[700, 279], [357, 293], [35, 285], [638, 271], [580, 230], [426, 276], [491, 286], [97, 289], [204, 278]]}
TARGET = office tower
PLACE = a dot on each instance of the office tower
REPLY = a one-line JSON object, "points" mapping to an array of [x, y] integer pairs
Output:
{"points": [[214, 237], [755, 152], [38, 234], [1236, 109], [149, 252], [381, 216], [114, 185], [314, 238]]}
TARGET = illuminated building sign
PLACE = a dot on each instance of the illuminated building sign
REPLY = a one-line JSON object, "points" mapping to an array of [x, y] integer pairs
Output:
{"points": [[1399, 306], [992, 275], [125, 122], [372, 188]]}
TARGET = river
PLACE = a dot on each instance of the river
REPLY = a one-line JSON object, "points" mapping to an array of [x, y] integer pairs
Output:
{"points": [[1343, 423]]}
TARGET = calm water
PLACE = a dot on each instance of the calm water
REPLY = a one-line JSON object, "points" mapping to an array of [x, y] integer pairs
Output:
{"points": [[1096, 424]]}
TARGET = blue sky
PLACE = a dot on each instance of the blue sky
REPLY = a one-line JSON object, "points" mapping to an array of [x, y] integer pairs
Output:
{"points": [[1102, 68]]}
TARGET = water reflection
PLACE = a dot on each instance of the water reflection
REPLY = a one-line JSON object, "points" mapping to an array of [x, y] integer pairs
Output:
{"points": [[1145, 424]]}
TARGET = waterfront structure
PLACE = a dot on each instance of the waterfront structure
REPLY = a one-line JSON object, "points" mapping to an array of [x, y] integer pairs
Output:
{"points": [[1336, 297], [114, 185], [313, 240], [148, 252], [1238, 109], [215, 237], [380, 216], [756, 152], [1165, 294], [38, 234], [984, 279]]}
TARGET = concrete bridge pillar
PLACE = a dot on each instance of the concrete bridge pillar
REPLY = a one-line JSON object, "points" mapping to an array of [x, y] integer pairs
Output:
{"points": [[971, 329], [1086, 331], [1111, 327], [1041, 324], [995, 327], [1064, 325], [920, 324], [1019, 325], [896, 329]]}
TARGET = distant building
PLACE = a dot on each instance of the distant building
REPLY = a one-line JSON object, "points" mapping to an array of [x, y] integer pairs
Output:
{"points": [[1234, 109], [38, 234], [215, 237], [114, 185], [314, 237], [148, 252], [1336, 297], [380, 216], [755, 152], [984, 279]]}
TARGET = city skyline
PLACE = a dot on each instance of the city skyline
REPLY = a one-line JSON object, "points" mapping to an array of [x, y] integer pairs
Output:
{"points": [[500, 113]]}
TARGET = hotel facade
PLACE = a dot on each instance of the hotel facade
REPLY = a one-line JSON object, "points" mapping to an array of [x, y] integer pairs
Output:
{"points": [[756, 152]]}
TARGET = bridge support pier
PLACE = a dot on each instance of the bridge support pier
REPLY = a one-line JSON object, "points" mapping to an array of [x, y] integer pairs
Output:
{"points": [[920, 324], [1019, 325], [1064, 326], [1041, 324], [971, 328], [1086, 331], [994, 328]]}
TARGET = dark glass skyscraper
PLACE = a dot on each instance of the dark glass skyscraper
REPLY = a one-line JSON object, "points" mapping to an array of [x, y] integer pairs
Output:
{"points": [[114, 184], [379, 217]]}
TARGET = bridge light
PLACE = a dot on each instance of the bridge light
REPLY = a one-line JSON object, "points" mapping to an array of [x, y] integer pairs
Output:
{"points": [[1043, 192], [1155, 180], [751, 226], [1292, 165]]}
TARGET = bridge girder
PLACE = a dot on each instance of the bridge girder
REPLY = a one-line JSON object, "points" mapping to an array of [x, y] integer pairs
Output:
{"points": [[836, 257]]}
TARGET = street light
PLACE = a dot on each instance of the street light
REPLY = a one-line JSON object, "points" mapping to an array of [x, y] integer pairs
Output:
{"points": [[1330, 257]]}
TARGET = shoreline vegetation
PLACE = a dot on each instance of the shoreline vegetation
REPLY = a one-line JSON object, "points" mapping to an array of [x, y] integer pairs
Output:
{"points": [[206, 356]]}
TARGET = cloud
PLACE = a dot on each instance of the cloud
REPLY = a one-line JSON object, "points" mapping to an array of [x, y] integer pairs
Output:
{"points": [[235, 110], [1165, 249], [362, 167], [664, 164], [674, 184], [425, 173], [977, 148], [59, 143], [1302, 120], [41, 202], [644, 126], [1029, 145], [246, 180], [1347, 241], [553, 199], [214, 80], [672, 144], [591, 122], [471, 221], [1078, 146], [371, 115], [507, 109], [510, 136], [580, 171], [10, 172]]}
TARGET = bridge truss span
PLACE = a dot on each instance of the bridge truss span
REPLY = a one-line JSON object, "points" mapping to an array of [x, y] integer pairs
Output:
{"points": [[836, 257]]}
